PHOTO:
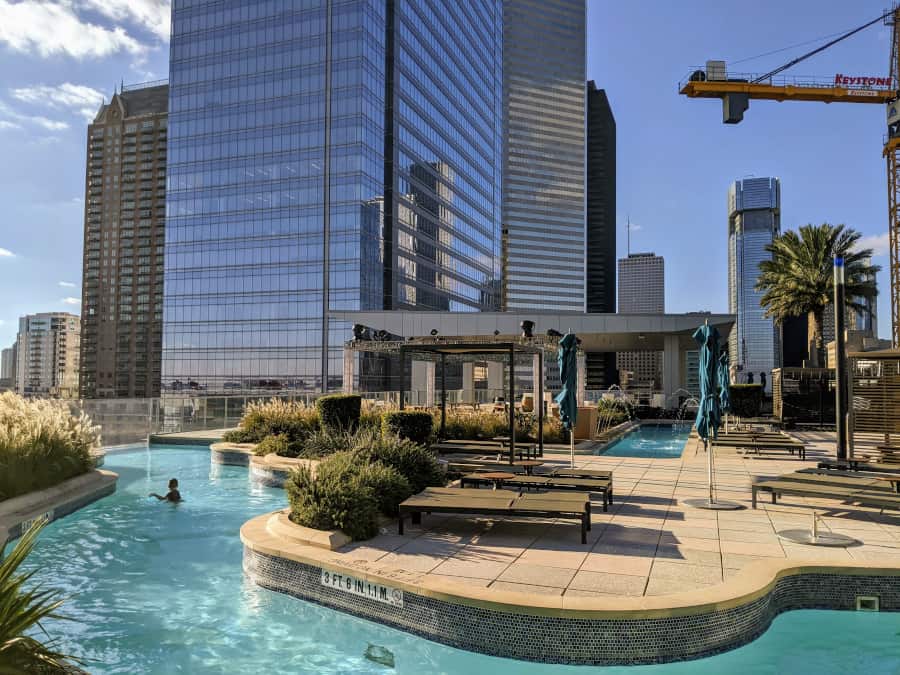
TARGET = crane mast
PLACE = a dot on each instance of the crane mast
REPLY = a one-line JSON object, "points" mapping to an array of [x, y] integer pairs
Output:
{"points": [[892, 154]]}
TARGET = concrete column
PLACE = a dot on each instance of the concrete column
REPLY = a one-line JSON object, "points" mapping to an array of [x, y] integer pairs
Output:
{"points": [[468, 382], [536, 376], [495, 378], [582, 379], [349, 370], [672, 359], [422, 383]]}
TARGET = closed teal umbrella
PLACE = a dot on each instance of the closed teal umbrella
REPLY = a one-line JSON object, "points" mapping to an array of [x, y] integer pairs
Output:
{"points": [[724, 385], [567, 358], [709, 414]]}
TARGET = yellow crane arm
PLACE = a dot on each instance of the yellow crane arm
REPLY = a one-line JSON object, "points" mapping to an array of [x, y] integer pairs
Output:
{"points": [[787, 92]]}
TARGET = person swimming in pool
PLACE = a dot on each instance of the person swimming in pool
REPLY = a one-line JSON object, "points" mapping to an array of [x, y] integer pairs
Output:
{"points": [[173, 495]]}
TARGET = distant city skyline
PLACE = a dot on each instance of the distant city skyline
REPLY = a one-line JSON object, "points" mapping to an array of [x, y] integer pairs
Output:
{"points": [[53, 86]]}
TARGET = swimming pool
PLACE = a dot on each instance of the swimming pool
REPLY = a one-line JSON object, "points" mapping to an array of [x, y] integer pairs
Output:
{"points": [[158, 588], [650, 440]]}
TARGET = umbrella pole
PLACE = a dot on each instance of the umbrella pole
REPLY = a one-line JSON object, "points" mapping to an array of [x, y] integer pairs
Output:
{"points": [[572, 446]]}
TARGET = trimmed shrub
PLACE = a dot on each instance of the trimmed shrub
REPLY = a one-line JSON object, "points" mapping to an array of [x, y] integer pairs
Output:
{"points": [[414, 462], [388, 485], [279, 444], [336, 498], [339, 412], [41, 444], [325, 442], [746, 399], [273, 417], [239, 436], [416, 425]]}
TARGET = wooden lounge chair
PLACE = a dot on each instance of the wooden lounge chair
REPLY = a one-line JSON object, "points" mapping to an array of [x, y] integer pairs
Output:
{"points": [[748, 444], [524, 450], [840, 479], [852, 464], [498, 503], [601, 485], [786, 486]]}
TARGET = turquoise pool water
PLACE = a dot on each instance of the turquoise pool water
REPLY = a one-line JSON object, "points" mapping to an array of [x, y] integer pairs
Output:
{"points": [[157, 588], [651, 440]]}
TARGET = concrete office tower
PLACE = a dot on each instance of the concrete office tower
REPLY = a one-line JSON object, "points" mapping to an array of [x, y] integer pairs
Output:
{"points": [[336, 156], [754, 220], [544, 158], [47, 355], [124, 228], [601, 226], [642, 290], [8, 368]]}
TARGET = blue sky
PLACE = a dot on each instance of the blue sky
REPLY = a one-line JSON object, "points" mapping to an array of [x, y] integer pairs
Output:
{"points": [[675, 157]]}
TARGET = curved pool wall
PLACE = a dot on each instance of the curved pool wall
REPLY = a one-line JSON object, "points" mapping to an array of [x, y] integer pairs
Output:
{"points": [[586, 633], [157, 588]]}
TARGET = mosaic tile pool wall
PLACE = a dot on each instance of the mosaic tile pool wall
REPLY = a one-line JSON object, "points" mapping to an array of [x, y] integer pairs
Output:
{"points": [[579, 640]]}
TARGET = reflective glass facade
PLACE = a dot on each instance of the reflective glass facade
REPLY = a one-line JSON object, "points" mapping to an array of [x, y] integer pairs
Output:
{"points": [[323, 155], [754, 220], [544, 104]]}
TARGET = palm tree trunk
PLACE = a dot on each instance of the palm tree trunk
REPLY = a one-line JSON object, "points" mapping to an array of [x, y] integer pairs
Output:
{"points": [[814, 335]]}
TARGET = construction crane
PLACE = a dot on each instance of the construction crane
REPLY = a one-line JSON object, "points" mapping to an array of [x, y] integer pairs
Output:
{"points": [[737, 89]]}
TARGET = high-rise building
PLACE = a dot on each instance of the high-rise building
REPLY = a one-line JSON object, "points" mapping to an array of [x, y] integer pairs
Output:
{"points": [[544, 110], [601, 226], [47, 355], [8, 368], [754, 220], [124, 231], [324, 156], [642, 290]]}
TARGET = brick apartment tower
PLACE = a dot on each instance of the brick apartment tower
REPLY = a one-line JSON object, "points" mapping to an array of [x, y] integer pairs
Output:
{"points": [[124, 223]]}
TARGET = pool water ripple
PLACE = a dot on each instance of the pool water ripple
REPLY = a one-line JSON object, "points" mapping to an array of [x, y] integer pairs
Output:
{"points": [[157, 588]]}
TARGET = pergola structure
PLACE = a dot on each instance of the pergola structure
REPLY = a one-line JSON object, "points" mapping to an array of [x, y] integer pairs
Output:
{"points": [[481, 348]]}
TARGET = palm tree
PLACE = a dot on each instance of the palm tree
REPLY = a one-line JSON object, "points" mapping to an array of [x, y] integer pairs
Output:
{"points": [[22, 611], [799, 279]]}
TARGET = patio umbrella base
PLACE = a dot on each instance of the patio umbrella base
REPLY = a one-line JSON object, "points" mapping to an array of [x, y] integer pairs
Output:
{"points": [[717, 505], [821, 539]]}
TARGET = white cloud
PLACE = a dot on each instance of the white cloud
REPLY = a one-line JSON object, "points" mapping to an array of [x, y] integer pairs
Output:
{"points": [[6, 124], [71, 301], [14, 117], [68, 284], [85, 100], [6, 253], [151, 15], [879, 243], [50, 28]]}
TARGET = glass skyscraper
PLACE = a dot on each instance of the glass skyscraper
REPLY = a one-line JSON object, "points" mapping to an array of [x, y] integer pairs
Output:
{"points": [[544, 172], [324, 155], [754, 220]]}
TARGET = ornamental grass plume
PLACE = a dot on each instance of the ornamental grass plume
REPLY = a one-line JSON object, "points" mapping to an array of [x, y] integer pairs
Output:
{"points": [[42, 443]]}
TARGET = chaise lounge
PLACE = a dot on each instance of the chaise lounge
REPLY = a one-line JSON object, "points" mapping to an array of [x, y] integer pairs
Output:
{"points": [[498, 503], [545, 482], [787, 485]]}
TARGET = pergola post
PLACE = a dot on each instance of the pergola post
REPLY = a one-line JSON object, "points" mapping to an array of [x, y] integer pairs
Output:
{"points": [[512, 404], [442, 434], [349, 368], [539, 391], [402, 375]]}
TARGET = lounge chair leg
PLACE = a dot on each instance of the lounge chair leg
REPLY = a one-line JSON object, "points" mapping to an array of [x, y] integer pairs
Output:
{"points": [[773, 496], [588, 514], [605, 507], [753, 497], [583, 529], [400, 526]]}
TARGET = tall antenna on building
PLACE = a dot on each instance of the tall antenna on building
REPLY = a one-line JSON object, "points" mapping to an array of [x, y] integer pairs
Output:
{"points": [[628, 235]]}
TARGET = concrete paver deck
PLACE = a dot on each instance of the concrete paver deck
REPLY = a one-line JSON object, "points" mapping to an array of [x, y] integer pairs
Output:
{"points": [[648, 543]]}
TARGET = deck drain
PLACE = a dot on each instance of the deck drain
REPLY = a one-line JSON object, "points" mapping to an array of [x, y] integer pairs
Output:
{"points": [[868, 603], [380, 654]]}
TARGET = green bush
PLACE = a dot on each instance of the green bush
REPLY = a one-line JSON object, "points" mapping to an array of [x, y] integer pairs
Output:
{"points": [[279, 444], [414, 462], [325, 442], [339, 412], [416, 425], [266, 418], [335, 498], [387, 484], [746, 399], [41, 444], [239, 435]]}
